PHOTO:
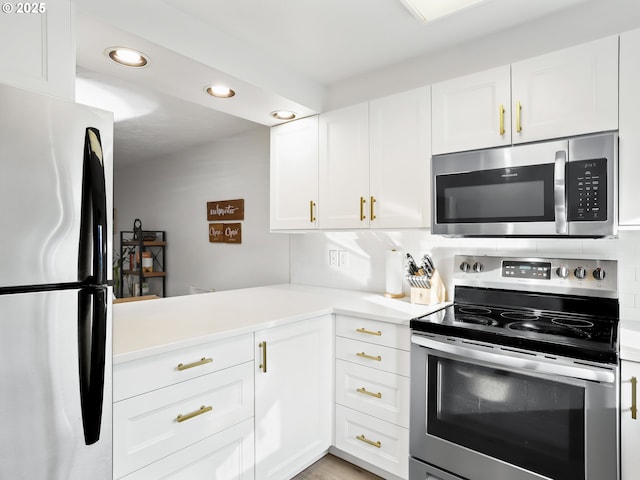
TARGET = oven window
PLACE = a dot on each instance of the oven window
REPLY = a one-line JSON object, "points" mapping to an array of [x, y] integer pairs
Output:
{"points": [[518, 194], [533, 423]]}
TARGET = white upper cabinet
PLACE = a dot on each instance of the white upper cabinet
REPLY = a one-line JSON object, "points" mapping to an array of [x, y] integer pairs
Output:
{"points": [[294, 175], [400, 156], [629, 153], [38, 53], [472, 112], [344, 168], [568, 92]]}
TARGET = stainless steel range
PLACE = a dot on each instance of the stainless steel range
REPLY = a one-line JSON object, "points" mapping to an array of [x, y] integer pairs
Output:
{"points": [[518, 379]]}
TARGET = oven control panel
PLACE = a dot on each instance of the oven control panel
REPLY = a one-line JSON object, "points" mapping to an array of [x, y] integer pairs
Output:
{"points": [[517, 269]]}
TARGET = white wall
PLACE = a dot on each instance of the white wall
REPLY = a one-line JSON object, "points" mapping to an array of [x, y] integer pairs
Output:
{"points": [[367, 249], [171, 194]]}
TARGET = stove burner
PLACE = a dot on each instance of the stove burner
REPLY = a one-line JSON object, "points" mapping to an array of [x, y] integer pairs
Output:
{"points": [[572, 322], [519, 316], [474, 310], [550, 328], [476, 320]]}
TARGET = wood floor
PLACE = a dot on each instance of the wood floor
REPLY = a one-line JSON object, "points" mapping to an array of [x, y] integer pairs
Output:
{"points": [[330, 467]]}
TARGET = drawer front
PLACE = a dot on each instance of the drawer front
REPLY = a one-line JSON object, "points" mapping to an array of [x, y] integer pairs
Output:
{"points": [[376, 356], [157, 371], [227, 455], [374, 331], [149, 427], [381, 394], [373, 440]]}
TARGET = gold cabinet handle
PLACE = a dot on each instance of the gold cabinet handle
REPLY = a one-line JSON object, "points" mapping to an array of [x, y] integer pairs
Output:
{"points": [[367, 392], [502, 130], [202, 361], [362, 215], [364, 330], [518, 111], [372, 215], [263, 365], [181, 418], [364, 439], [634, 406], [312, 217], [377, 358]]}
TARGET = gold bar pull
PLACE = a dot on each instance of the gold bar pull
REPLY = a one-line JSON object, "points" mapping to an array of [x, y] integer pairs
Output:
{"points": [[364, 330], [372, 215], [367, 392], [312, 217], [181, 418], [502, 130], [364, 439], [202, 361], [362, 215], [263, 365], [634, 406], [518, 111], [369, 357]]}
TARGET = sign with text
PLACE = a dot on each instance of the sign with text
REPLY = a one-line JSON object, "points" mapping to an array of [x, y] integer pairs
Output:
{"points": [[222, 210], [216, 232], [232, 232]]}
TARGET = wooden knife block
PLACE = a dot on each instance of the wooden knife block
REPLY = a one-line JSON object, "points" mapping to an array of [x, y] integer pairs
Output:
{"points": [[430, 296]]}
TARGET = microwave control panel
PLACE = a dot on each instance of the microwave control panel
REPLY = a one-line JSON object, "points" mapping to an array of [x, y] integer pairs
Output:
{"points": [[587, 185]]}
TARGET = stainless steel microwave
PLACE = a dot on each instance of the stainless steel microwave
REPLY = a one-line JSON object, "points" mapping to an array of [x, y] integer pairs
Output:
{"points": [[558, 188]]}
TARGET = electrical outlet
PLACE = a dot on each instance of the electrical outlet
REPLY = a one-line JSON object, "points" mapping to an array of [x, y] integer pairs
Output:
{"points": [[343, 258], [333, 258]]}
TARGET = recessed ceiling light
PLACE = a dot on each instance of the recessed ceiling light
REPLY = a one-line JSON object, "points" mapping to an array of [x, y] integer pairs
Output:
{"points": [[428, 10], [127, 56], [283, 115], [220, 91]]}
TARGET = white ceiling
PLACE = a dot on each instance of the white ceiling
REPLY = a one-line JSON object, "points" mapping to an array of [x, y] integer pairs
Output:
{"points": [[276, 54]]}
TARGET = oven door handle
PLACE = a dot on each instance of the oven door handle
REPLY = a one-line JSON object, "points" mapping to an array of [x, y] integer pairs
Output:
{"points": [[591, 373]]}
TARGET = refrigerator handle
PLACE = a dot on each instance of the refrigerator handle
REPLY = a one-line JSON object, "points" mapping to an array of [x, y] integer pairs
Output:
{"points": [[92, 258], [92, 339]]}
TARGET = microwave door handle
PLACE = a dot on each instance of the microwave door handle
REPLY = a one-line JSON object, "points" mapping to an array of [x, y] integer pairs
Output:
{"points": [[559, 193]]}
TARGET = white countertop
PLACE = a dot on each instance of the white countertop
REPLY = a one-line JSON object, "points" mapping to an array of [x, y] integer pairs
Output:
{"points": [[154, 326], [630, 340]]}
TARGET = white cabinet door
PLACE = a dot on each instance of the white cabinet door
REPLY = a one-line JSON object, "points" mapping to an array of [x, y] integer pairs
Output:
{"points": [[38, 54], [294, 175], [344, 168], [629, 153], [400, 156], [630, 427], [568, 92], [293, 385], [472, 112]]}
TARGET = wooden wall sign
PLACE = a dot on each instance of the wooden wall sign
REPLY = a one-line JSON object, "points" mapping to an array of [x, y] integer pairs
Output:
{"points": [[222, 210], [216, 232], [232, 232]]}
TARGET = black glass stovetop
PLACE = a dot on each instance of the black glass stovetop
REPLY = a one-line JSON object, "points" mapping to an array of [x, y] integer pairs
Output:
{"points": [[576, 327]]}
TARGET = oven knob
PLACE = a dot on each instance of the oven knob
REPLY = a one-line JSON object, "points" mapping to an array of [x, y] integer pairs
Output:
{"points": [[477, 267], [464, 266], [562, 272], [580, 273], [599, 274]]}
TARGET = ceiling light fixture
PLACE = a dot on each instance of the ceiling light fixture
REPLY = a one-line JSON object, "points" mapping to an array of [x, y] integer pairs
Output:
{"points": [[283, 115], [219, 91], [428, 10], [127, 57]]}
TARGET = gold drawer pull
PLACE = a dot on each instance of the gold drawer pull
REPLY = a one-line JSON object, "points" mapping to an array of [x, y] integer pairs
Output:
{"points": [[312, 217], [501, 113], [181, 418], [372, 215], [363, 217], [202, 361], [263, 365], [634, 406], [364, 330], [518, 114], [364, 439], [367, 392], [377, 358]]}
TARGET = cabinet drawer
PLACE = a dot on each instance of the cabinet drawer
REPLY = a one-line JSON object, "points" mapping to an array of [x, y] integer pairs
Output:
{"points": [[376, 356], [157, 371], [375, 441], [374, 331], [227, 455], [381, 394], [147, 428]]}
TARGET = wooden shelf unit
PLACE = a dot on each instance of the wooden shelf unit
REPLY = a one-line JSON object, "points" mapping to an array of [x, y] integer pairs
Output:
{"points": [[132, 245]]}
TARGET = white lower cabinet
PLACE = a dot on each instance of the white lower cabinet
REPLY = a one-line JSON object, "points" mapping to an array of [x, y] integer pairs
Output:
{"points": [[629, 426]]}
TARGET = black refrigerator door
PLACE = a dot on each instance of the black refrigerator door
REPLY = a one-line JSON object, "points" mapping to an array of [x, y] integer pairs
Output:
{"points": [[92, 257], [92, 338]]}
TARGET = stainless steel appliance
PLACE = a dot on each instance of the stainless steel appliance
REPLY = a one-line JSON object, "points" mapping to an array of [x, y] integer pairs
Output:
{"points": [[55, 301], [519, 378], [558, 188]]}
